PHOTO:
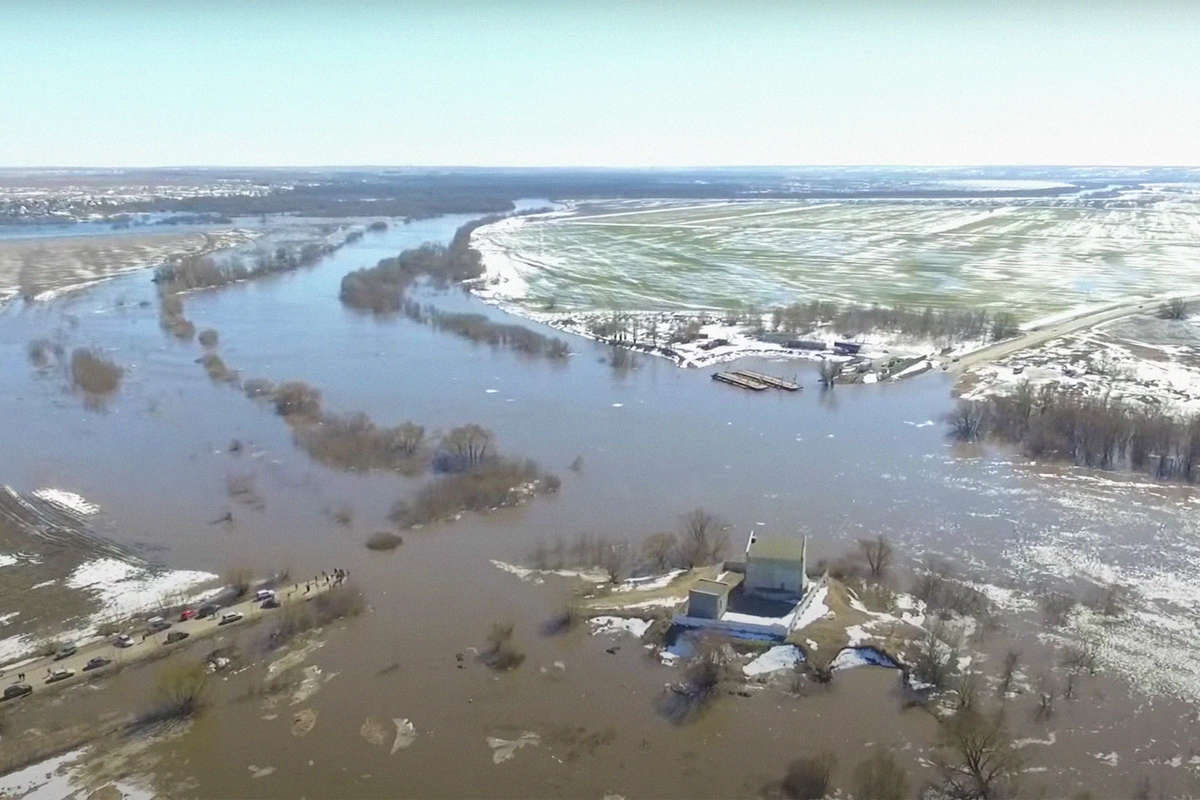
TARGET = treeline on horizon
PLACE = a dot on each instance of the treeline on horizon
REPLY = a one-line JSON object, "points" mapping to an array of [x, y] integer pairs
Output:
{"points": [[1092, 431], [419, 194]]}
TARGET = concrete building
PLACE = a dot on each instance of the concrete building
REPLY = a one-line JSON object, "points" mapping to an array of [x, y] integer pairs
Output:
{"points": [[709, 599], [775, 566]]}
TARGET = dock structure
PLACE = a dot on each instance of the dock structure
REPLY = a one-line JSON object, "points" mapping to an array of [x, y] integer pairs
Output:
{"points": [[734, 379], [769, 380]]}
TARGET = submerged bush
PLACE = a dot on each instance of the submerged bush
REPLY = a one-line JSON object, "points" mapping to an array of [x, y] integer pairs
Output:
{"points": [[354, 442], [93, 373], [496, 483], [208, 337], [296, 398], [384, 540]]}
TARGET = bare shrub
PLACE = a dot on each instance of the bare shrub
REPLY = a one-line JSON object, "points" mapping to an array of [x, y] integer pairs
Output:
{"points": [[1056, 608], [501, 654], [182, 690], [208, 337], [968, 421], [941, 592], [880, 777], [827, 373], [93, 373], [297, 399], [1175, 308], [576, 464], [660, 550], [703, 539], [878, 554], [976, 758], [1082, 656], [384, 540], [1008, 672], [344, 515], [614, 560], [561, 622], [1111, 599], [809, 778], [702, 678], [935, 658]]}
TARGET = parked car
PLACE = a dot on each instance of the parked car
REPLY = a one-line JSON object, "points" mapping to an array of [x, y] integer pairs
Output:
{"points": [[187, 614], [17, 690], [176, 636], [226, 619], [59, 675], [124, 640], [264, 594], [157, 624], [66, 651], [208, 610], [270, 602], [97, 663]]}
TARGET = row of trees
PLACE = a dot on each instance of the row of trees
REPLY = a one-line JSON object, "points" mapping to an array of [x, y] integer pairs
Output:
{"points": [[1093, 431], [479, 328], [700, 539], [939, 324]]}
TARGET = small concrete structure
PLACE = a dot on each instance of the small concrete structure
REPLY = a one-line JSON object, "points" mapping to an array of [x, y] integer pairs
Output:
{"points": [[776, 565], [709, 599]]}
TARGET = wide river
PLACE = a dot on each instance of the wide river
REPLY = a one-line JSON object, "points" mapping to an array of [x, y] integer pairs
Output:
{"points": [[655, 441]]}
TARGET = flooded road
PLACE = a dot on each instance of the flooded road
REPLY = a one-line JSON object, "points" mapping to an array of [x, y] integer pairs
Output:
{"points": [[655, 441]]}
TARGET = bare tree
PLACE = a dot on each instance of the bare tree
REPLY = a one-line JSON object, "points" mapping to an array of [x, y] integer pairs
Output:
{"points": [[878, 553], [659, 550], [1011, 659], [977, 760], [880, 777], [1047, 692], [704, 539], [614, 560], [968, 421], [828, 372], [465, 447], [1175, 308], [809, 778]]}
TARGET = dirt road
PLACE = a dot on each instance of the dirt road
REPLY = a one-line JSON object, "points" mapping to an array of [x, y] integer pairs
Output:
{"points": [[38, 670], [1032, 337]]}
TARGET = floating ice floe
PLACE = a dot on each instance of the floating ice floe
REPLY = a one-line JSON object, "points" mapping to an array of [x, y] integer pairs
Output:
{"points": [[406, 734], [505, 749]]}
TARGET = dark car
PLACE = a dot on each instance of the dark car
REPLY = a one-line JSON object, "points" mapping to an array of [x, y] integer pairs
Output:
{"points": [[176, 636], [270, 602], [157, 624], [124, 640], [208, 610], [17, 690], [66, 651], [97, 663]]}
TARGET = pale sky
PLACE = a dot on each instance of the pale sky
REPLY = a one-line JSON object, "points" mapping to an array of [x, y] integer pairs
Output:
{"points": [[599, 83]]}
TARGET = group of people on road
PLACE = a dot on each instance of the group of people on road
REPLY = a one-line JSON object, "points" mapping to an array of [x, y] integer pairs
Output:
{"points": [[333, 578]]}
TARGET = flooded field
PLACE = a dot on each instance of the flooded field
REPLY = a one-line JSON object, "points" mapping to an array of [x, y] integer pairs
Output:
{"points": [[1091, 245], [393, 702]]}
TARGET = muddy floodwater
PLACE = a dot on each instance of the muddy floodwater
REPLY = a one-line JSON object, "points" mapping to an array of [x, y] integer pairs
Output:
{"points": [[654, 441]]}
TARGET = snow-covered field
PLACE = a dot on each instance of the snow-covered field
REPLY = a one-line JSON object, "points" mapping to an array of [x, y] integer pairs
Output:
{"points": [[994, 253]]}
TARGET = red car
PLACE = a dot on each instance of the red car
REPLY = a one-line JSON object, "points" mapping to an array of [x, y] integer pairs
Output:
{"points": [[186, 614]]}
